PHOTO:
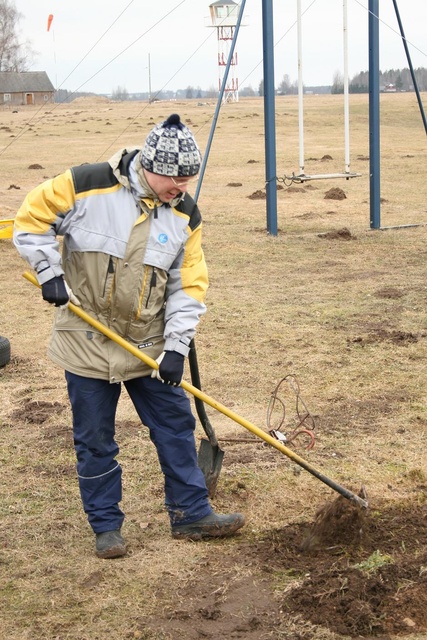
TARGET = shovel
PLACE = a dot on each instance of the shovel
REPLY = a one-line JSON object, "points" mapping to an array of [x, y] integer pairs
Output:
{"points": [[210, 455], [197, 393]]}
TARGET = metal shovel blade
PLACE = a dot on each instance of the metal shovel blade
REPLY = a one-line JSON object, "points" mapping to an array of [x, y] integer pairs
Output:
{"points": [[210, 462]]}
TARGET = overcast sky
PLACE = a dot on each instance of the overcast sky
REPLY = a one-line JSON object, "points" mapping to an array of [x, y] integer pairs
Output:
{"points": [[98, 46]]}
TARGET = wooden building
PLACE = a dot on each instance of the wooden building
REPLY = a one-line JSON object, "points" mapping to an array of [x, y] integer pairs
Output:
{"points": [[25, 87]]}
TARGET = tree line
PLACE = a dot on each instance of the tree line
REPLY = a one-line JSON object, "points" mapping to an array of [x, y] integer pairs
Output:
{"points": [[393, 79], [399, 79]]}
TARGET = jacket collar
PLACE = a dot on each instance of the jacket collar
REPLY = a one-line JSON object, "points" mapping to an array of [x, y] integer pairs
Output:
{"points": [[129, 172]]}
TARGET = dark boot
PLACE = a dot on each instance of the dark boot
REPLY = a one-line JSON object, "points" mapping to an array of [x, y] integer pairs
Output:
{"points": [[211, 526], [110, 544]]}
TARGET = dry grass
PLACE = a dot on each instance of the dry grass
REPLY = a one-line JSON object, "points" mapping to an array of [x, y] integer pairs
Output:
{"points": [[344, 313]]}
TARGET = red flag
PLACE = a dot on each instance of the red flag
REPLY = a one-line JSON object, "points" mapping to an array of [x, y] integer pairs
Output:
{"points": [[49, 21]]}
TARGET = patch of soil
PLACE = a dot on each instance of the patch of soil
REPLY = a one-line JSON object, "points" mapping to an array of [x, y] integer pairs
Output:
{"points": [[376, 584], [258, 195], [389, 292], [326, 158], [36, 411], [221, 604], [340, 234], [363, 575], [335, 194], [381, 335]]}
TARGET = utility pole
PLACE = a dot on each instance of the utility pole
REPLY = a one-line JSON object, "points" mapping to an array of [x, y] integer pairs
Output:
{"points": [[269, 117], [149, 79]]}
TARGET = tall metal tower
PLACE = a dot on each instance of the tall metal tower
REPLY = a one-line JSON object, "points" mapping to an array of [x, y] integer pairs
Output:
{"points": [[224, 17]]}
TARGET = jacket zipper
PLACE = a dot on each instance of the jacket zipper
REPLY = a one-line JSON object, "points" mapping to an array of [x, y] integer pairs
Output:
{"points": [[109, 271], [153, 284]]}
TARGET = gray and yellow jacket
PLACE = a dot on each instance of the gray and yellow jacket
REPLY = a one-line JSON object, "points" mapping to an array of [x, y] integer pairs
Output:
{"points": [[135, 263]]}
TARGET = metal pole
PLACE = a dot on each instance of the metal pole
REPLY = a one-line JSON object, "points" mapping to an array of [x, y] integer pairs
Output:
{"points": [[408, 57], [374, 116], [300, 92], [149, 79], [269, 116], [346, 96]]}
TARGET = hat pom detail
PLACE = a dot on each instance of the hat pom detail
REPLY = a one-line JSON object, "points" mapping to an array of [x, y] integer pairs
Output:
{"points": [[173, 120], [170, 149]]}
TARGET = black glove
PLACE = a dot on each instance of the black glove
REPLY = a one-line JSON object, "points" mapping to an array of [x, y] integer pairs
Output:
{"points": [[171, 368], [55, 292]]}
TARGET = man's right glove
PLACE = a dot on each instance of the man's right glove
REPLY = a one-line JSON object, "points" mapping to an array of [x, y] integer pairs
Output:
{"points": [[57, 292], [171, 368]]}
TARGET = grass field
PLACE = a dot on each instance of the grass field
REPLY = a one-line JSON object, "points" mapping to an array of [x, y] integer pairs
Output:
{"points": [[336, 305]]}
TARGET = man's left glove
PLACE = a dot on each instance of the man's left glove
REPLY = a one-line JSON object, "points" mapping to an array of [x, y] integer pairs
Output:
{"points": [[57, 292], [171, 368]]}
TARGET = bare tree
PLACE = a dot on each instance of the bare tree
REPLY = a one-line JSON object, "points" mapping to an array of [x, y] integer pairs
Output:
{"points": [[338, 83], [285, 86], [247, 92], [120, 94], [14, 54], [212, 92]]}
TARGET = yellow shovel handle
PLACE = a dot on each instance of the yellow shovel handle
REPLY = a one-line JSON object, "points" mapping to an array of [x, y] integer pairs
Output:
{"points": [[210, 401]]}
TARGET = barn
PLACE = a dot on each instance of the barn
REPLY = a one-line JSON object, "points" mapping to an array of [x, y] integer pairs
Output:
{"points": [[25, 88]]}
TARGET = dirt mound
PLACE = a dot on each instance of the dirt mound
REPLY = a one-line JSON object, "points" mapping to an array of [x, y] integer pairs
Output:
{"points": [[335, 194], [258, 195], [36, 412], [366, 576], [340, 234]]}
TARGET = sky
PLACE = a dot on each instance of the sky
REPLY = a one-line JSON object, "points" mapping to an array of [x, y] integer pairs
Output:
{"points": [[98, 46]]}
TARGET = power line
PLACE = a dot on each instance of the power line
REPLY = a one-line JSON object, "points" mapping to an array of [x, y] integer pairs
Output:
{"points": [[97, 42], [389, 27], [130, 45], [31, 121]]}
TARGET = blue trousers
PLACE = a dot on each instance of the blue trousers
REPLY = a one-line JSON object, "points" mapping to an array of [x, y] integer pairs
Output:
{"points": [[166, 411]]}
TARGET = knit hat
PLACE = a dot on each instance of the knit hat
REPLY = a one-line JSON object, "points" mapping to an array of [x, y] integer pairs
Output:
{"points": [[171, 150]]}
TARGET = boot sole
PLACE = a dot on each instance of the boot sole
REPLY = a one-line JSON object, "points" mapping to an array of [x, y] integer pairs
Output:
{"points": [[113, 552], [207, 531]]}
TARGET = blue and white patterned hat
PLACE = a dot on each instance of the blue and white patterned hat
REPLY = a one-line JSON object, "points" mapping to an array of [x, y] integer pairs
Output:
{"points": [[171, 150]]}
